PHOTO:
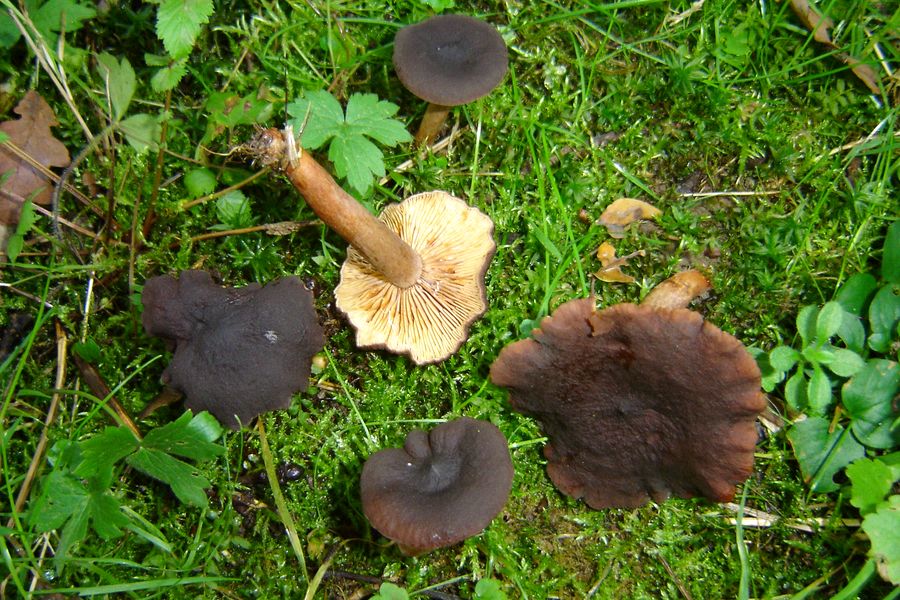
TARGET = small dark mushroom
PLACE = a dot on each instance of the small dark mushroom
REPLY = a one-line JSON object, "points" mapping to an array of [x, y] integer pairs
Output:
{"points": [[441, 488], [238, 352], [413, 280], [638, 402], [448, 60]]}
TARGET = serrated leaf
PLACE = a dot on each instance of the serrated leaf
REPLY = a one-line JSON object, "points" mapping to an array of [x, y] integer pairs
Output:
{"points": [[883, 529], [868, 398], [822, 453], [369, 116], [120, 82], [169, 76], [783, 358], [178, 23], [200, 182], [142, 131], [872, 481], [100, 452], [890, 260], [358, 160], [187, 436], [884, 315], [806, 324], [233, 210], [828, 321], [185, 480], [318, 116], [63, 496], [856, 293]]}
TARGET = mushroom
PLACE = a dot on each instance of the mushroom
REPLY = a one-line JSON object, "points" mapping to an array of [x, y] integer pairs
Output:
{"points": [[638, 402], [238, 352], [413, 280], [440, 488], [448, 60]]}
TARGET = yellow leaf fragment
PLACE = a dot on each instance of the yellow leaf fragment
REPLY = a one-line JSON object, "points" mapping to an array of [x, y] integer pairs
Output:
{"points": [[624, 211], [611, 271], [678, 291]]}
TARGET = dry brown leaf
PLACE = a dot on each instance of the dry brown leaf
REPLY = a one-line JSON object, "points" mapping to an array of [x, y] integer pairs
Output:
{"points": [[31, 134], [623, 212], [864, 72], [611, 271], [819, 25], [678, 290]]}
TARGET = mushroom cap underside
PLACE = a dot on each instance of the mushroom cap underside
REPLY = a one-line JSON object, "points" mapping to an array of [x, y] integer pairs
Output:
{"points": [[637, 402], [450, 59], [238, 352], [441, 487], [430, 319]]}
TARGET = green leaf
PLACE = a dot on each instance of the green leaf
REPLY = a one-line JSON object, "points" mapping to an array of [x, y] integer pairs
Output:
{"points": [[871, 481], [845, 363], [101, 452], [142, 131], [890, 260], [783, 358], [55, 16], [358, 160], [828, 321], [856, 293], [178, 23], [231, 110], [868, 398], [16, 241], [489, 589], [62, 497], [819, 391], [190, 437], [822, 453], [817, 354], [884, 316], [852, 332], [771, 377], [200, 182], [390, 591], [318, 116], [184, 479], [120, 83], [169, 76], [369, 116], [806, 324], [233, 210], [883, 528], [795, 391]]}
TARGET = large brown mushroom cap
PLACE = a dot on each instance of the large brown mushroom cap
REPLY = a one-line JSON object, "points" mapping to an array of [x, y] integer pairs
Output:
{"points": [[450, 59], [237, 351], [430, 319], [638, 402], [441, 488]]}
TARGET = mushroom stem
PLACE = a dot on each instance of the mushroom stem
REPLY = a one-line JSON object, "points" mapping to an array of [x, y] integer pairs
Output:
{"points": [[389, 255], [434, 118]]}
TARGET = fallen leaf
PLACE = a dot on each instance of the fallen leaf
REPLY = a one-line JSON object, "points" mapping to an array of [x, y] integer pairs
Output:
{"points": [[611, 271], [819, 25], [678, 290], [31, 134], [623, 212]]}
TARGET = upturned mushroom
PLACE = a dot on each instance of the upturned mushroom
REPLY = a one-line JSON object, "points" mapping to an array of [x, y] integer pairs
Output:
{"points": [[238, 352], [413, 281], [448, 60], [440, 488], [638, 402]]}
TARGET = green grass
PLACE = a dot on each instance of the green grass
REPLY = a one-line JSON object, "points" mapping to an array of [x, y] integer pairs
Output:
{"points": [[601, 101]]}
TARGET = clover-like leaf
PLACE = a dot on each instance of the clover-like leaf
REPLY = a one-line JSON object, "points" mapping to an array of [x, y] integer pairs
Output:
{"points": [[872, 481], [883, 528], [822, 453], [868, 397]]}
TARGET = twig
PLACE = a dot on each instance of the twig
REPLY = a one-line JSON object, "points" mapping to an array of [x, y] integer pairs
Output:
{"points": [[47, 173], [98, 387], [150, 217], [762, 519], [279, 228], [723, 193], [37, 458]]}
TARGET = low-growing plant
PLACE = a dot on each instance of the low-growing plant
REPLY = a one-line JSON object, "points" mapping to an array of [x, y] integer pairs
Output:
{"points": [[840, 387]]}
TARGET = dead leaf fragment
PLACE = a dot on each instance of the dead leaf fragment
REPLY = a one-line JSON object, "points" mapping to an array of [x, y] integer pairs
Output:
{"points": [[31, 135], [611, 271], [624, 211], [678, 291], [819, 25]]}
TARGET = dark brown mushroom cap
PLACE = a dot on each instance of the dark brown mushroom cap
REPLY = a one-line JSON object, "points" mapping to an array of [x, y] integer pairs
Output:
{"points": [[638, 402], [441, 487], [450, 59], [238, 352]]}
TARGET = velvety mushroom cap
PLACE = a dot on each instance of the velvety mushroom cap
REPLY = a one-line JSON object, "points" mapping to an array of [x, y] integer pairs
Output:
{"points": [[238, 352], [450, 59], [430, 319], [441, 487], [638, 402]]}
